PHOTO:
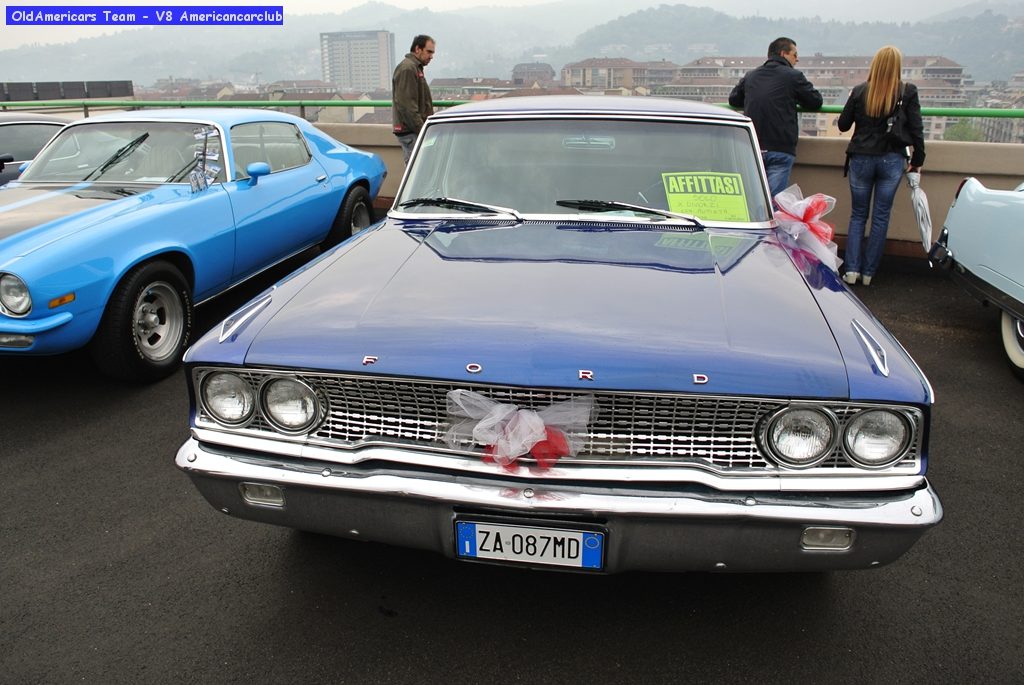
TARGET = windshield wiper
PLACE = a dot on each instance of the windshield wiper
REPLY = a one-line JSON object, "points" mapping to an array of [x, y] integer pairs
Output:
{"points": [[183, 171], [121, 153], [612, 205], [456, 203]]}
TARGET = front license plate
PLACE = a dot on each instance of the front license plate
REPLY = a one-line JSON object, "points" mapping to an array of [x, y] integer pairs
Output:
{"points": [[526, 544]]}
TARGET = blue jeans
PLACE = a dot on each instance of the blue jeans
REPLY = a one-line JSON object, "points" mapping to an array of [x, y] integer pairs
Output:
{"points": [[777, 166], [407, 140], [880, 174]]}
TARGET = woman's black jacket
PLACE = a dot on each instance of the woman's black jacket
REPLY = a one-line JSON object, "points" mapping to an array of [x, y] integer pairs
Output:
{"points": [[869, 133]]}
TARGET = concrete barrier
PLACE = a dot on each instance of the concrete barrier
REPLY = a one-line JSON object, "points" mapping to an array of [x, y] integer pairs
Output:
{"points": [[819, 169]]}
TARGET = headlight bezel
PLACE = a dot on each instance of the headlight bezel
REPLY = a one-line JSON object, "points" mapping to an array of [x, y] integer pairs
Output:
{"points": [[318, 400], [7, 308], [771, 449], [214, 416], [908, 438]]}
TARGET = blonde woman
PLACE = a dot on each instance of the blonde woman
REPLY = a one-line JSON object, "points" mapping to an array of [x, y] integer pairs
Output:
{"points": [[876, 163]]}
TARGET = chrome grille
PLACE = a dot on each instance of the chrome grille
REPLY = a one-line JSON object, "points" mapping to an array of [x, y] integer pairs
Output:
{"points": [[627, 428]]}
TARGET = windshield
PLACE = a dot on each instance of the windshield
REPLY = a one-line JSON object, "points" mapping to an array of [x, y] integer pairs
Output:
{"points": [[705, 170], [129, 152]]}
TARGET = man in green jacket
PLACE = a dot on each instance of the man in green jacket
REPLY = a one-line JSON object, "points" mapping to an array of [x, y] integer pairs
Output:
{"points": [[410, 94]]}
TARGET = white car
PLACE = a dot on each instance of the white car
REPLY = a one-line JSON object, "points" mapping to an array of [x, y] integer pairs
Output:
{"points": [[982, 243]]}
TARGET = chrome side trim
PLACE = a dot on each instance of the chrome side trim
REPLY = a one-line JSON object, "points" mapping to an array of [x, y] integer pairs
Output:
{"points": [[236, 321], [254, 275], [873, 348], [833, 480]]}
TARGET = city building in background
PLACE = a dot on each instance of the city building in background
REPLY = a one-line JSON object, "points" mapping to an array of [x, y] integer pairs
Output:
{"points": [[358, 60], [530, 74], [940, 82], [608, 73], [65, 90]]}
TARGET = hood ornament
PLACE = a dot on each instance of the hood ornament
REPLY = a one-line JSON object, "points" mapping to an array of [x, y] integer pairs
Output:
{"points": [[473, 367]]}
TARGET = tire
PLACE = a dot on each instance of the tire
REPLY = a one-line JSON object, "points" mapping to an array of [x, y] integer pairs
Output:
{"points": [[355, 214], [1013, 343], [146, 326]]}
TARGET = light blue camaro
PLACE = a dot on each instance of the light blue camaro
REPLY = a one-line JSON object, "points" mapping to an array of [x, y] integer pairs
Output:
{"points": [[982, 244], [125, 221]]}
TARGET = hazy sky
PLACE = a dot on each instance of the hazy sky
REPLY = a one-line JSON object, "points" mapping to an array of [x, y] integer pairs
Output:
{"points": [[865, 10]]}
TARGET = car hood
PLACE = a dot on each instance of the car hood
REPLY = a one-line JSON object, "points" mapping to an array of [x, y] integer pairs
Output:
{"points": [[560, 305], [33, 214]]}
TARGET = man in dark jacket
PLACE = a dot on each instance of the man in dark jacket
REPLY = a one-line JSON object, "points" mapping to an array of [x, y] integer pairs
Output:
{"points": [[769, 96], [410, 94]]}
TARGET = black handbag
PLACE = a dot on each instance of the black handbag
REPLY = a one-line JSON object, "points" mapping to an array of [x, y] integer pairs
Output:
{"points": [[897, 128]]}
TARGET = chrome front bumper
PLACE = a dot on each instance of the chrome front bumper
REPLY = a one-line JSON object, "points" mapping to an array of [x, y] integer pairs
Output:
{"points": [[649, 527]]}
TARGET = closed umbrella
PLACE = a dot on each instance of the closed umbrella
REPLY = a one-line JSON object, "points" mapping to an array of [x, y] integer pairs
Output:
{"points": [[920, 202]]}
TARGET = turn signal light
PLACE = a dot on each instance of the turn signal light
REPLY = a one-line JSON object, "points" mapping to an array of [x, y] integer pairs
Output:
{"points": [[63, 299], [16, 341], [262, 495], [829, 538]]}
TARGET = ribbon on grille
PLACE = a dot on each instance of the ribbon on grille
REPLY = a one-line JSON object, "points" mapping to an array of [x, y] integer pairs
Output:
{"points": [[800, 224], [508, 432]]}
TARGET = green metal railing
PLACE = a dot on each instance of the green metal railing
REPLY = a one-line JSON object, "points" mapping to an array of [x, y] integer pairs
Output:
{"points": [[86, 105]]}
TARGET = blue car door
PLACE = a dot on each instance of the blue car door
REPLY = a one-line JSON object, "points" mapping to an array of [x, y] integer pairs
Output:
{"points": [[284, 211]]}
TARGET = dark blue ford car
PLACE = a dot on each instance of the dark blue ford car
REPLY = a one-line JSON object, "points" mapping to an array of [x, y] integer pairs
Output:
{"points": [[578, 341]]}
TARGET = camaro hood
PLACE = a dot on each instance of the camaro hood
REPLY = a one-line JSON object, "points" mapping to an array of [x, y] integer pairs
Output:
{"points": [[35, 214], [561, 305]]}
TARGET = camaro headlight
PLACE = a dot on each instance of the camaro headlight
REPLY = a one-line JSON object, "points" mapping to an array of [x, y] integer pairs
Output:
{"points": [[290, 405], [876, 438], [801, 437], [14, 295], [228, 398]]}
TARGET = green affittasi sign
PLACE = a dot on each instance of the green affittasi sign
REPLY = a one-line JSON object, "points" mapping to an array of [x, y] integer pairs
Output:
{"points": [[708, 195]]}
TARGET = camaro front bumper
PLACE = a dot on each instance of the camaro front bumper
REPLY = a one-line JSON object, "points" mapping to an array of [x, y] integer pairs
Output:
{"points": [[648, 527]]}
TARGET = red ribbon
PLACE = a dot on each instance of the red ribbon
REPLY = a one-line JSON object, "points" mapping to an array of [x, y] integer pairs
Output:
{"points": [[815, 208], [547, 452]]}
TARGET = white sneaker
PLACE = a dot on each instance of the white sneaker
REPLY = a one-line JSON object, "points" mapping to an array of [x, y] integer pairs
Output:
{"points": [[852, 276], [866, 280]]}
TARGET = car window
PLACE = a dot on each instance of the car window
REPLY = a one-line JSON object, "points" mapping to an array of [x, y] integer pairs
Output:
{"points": [[704, 169], [279, 144], [25, 140], [130, 152]]}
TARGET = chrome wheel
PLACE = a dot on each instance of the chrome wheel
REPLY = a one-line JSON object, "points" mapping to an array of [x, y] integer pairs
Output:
{"points": [[1013, 342], [159, 321], [360, 218]]}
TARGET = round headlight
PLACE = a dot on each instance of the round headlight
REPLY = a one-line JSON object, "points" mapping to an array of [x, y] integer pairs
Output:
{"points": [[876, 438], [14, 295], [801, 438], [290, 405], [228, 398]]}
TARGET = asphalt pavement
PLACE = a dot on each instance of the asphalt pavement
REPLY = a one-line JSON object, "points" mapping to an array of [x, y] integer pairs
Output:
{"points": [[113, 569]]}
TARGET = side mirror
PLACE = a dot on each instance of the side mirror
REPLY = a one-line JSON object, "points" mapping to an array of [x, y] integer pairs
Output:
{"points": [[24, 165], [255, 170]]}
